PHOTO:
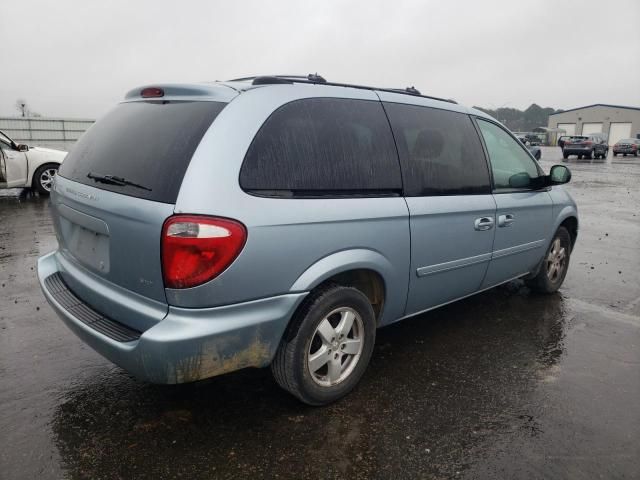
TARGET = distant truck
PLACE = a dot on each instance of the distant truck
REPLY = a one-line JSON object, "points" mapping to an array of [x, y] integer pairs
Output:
{"points": [[22, 166]]}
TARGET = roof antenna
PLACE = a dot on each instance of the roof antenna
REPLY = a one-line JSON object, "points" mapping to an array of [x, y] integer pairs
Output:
{"points": [[412, 90]]}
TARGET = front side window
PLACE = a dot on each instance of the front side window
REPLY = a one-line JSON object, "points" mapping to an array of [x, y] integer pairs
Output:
{"points": [[323, 147], [440, 151], [512, 166]]}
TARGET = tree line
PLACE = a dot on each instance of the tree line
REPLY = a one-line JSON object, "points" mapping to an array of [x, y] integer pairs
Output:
{"points": [[519, 120]]}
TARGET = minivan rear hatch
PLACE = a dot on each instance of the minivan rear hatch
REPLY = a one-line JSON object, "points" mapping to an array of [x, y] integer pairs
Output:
{"points": [[115, 189]]}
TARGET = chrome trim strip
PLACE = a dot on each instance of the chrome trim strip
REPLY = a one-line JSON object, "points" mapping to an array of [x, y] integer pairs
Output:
{"points": [[446, 266], [468, 261], [518, 249]]}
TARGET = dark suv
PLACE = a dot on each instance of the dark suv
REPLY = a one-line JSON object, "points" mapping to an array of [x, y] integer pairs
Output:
{"points": [[587, 146]]}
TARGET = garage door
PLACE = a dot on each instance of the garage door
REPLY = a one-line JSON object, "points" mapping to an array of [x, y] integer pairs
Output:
{"points": [[619, 131], [570, 128], [588, 128]]}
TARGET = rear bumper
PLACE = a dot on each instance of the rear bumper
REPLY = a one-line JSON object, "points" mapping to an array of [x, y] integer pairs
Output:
{"points": [[625, 150], [577, 150], [188, 344]]}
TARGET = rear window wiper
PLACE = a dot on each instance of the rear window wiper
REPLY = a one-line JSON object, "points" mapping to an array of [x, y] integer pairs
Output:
{"points": [[113, 180]]}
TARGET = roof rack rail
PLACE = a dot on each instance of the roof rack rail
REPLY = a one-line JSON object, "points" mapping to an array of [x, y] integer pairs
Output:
{"points": [[269, 80], [411, 90], [314, 78]]}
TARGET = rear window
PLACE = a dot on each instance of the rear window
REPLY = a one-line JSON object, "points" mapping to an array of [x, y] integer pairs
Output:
{"points": [[323, 147], [146, 143]]}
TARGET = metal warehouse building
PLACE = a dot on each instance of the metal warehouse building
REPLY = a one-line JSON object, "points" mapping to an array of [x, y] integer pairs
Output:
{"points": [[616, 121]]}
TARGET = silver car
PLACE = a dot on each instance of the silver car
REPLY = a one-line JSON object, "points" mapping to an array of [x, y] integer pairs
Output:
{"points": [[280, 221]]}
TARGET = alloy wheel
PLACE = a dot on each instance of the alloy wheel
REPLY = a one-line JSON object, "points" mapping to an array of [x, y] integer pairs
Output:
{"points": [[46, 178], [336, 347], [556, 260]]}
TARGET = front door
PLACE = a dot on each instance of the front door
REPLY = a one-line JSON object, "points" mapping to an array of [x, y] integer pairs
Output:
{"points": [[524, 215], [452, 212], [15, 165]]}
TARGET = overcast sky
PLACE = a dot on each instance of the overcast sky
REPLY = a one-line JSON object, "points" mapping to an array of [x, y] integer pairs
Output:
{"points": [[78, 58]]}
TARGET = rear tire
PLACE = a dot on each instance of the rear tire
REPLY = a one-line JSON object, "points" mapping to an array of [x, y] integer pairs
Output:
{"points": [[554, 264], [327, 347], [565, 155], [43, 178]]}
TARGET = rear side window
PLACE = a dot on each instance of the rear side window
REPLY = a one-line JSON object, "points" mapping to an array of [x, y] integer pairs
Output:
{"points": [[147, 143], [323, 147], [440, 151]]}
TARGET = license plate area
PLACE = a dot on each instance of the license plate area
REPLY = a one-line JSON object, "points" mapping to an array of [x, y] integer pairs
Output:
{"points": [[86, 238]]}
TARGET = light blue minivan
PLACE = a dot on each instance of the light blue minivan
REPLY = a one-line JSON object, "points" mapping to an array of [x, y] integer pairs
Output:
{"points": [[280, 220]]}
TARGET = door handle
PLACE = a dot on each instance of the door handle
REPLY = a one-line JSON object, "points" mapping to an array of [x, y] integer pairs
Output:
{"points": [[506, 220], [483, 223]]}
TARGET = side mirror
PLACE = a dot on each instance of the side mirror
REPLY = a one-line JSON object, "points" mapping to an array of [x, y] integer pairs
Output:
{"points": [[520, 180], [559, 175], [21, 147]]}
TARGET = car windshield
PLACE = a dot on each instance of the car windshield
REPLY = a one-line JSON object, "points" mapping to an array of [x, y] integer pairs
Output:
{"points": [[5, 139]]}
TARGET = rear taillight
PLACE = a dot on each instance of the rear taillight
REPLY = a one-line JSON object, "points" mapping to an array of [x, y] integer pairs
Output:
{"points": [[588, 142], [196, 249]]}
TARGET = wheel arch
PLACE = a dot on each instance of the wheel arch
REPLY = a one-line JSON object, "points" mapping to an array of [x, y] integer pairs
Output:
{"points": [[34, 167], [571, 224], [367, 270]]}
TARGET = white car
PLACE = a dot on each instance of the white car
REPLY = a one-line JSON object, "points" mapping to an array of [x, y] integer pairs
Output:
{"points": [[22, 166]]}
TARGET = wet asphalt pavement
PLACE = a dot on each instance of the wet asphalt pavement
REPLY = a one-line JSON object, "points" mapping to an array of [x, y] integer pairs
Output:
{"points": [[506, 384]]}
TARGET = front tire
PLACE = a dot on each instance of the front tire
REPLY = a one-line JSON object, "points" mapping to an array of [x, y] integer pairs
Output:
{"points": [[554, 265], [327, 347], [43, 178]]}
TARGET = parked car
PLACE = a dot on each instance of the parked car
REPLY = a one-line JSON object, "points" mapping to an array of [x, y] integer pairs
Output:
{"points": [[30, 167], [589, 146], [535, 151], [627, 146], [203, 229], [533, 140], [562, 139]]}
